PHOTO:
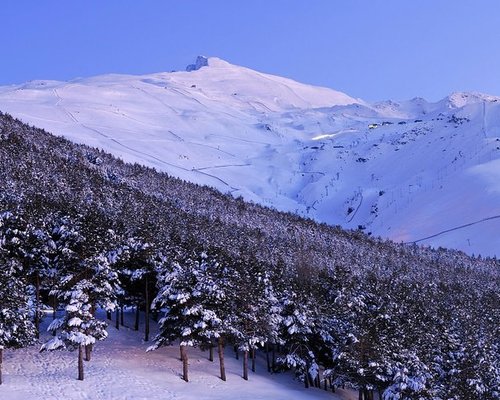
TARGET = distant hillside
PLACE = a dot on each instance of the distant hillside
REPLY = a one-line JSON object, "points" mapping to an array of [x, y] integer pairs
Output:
{"points": [[408, 171]]}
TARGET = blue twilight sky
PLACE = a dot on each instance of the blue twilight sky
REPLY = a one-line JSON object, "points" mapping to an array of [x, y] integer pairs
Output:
{"points": [[373, 49]]}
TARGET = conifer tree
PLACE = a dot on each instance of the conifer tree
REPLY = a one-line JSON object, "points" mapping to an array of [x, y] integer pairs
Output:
{"points": [[255, 315], [137, 264], [86, 281], [193, 298], [16, 328]]}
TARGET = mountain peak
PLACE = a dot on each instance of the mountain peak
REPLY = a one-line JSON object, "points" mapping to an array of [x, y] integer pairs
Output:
{"points": [[201, 61], [460, 99]]}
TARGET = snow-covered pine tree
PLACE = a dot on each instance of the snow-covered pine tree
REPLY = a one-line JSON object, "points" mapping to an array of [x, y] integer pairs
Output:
{"points": [[193, 296], [297, 329], [86, 283], [98, 252], [46, 250], [58, 241], [255, 315], [215, 286], [79, 327], [16, 328], [409, 379], [137, 262]]}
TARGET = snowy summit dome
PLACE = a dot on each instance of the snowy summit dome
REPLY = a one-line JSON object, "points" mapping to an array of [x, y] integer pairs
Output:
{"points": [[461, 99]]}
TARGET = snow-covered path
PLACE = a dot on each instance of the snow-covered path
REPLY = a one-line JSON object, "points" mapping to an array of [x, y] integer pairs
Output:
{"points": [[122, 370]]}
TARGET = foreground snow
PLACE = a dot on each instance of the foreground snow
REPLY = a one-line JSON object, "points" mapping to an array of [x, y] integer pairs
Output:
{"points": [[121, 369]]}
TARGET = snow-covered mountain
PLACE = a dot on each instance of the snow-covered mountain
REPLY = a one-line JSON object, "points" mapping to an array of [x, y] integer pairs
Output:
{"points": [[409, 171]]}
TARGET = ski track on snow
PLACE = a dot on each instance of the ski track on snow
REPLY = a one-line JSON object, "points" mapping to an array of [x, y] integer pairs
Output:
{"points": [[455, 229]]}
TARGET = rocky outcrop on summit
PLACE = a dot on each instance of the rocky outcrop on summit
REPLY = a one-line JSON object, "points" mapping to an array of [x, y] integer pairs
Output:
{"points": [[201, 61]]}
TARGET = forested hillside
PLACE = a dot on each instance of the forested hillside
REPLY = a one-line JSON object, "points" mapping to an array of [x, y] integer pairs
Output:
{"points": [[80, 229]]}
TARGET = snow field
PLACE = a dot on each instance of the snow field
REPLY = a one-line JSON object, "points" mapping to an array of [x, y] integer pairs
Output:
{"points": [[121, 369]]}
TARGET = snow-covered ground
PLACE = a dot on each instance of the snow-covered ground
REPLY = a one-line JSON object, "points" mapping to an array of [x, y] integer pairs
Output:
{"points": [[409, 171], [122, 370]]}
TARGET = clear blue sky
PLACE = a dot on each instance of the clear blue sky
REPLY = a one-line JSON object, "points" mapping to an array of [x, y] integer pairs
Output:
{"points": [[373, 49]]}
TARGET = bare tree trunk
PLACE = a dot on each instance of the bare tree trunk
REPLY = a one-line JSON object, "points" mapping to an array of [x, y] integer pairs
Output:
{"points": [[221, 359], [89, 347], [273, 366], [236, 353], [37, 305], [88, 352], [211, 352], [54, 307], [311, 380], [1, 362], [80, 363], [184, 363], [121, 316], [268, 361], [108, 315], [306, 376], [146, 295], [245, 365], [253, 360], [365, 394], [117, 319], [330, 383], [54, 310], [137, 317]]}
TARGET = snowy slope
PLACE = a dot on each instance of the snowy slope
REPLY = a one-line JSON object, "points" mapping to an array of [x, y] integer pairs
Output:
{"points": [[409, 170]]}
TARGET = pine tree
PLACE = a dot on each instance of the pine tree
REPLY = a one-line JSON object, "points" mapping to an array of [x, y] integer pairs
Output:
{"points": [[16, 329], [409, 379], [85, 284], [137, 262], [46, 244], [191, 294], [297, 332], [255, 315], [78, 327]]}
